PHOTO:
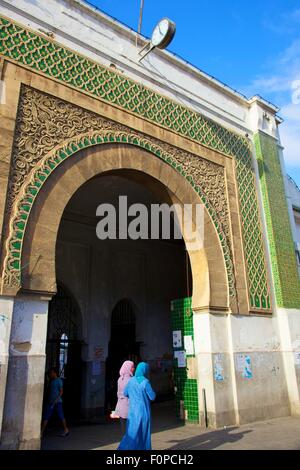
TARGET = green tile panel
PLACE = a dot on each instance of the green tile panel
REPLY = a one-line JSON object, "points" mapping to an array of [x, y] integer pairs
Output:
{"points": [[282, 251], [187, 389]]}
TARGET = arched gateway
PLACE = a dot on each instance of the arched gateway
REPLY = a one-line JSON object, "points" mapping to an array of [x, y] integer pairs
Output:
{"points": [[77, 131]]}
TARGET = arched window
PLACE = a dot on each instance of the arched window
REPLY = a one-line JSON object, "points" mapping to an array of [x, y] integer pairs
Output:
{"points": [[123, 314], [122, 346], [63, 325], [63, 354], [63, 348]]}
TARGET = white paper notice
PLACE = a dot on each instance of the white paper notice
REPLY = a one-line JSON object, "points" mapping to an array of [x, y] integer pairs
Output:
{"points": [[218, 367], [240, 362], [297, 358], [188, 345], [177, 339], [180, 356]]}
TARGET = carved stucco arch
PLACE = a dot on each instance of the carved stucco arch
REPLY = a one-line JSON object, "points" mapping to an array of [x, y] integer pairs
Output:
{"points": [[209, 269]]}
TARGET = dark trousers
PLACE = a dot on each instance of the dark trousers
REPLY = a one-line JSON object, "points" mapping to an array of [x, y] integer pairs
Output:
{"points": [[123, 422]]}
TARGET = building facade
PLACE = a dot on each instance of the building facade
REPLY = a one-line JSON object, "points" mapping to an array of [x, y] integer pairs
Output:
{"points": [[83, 121], [293, 198]]}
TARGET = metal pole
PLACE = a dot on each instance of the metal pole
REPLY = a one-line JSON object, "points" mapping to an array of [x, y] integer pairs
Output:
{"points": [[141, 16], [205, 407], [151, 47], [140, 22]]}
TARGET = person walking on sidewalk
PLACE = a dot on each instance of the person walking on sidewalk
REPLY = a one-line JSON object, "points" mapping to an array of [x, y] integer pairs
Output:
{"points": [[140, 394], [55, 402], [121, 411]]}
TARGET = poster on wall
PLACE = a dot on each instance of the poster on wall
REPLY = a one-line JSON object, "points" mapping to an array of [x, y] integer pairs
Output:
{"points": [[177, 339], [181, 360], [218, 367], [297, 358], [244, 366]]}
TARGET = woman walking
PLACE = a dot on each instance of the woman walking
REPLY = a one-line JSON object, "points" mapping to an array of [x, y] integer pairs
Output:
{"points": [[140, 393], [126, 372]]}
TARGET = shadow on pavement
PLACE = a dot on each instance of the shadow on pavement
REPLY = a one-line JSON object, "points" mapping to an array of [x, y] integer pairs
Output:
{"points": [[209, 440], [87, 436]]}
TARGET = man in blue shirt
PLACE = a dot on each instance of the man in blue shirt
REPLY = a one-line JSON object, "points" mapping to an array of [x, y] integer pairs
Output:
{"points": [[55, 402]]}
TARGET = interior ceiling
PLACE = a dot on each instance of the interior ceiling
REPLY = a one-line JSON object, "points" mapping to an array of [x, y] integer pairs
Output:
{"points": [[107, 189]]}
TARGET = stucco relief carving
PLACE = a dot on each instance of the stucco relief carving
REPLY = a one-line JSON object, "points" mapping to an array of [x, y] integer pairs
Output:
{"points": [[42, 123], [45, 122]]}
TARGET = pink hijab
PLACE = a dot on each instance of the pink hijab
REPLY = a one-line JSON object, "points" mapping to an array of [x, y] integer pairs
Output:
{"points": [[126, 369]]}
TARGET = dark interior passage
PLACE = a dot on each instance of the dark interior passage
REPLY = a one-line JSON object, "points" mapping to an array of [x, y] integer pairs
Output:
{"points": [[115, 295]]}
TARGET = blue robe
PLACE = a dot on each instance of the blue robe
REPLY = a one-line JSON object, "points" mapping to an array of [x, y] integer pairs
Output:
{"points": [[138, 429]]}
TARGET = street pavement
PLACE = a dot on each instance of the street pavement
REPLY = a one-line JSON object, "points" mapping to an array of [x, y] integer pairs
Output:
{"points": [[169, 433]]}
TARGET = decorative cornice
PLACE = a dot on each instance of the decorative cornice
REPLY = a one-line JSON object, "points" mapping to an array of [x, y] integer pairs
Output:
{"points": [[46, 56]]}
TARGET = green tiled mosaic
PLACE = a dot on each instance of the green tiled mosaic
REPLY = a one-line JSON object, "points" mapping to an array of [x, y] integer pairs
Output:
{"points": [[46, 165], [186, 388], [283, 259], [254, 252], [45, 56]]}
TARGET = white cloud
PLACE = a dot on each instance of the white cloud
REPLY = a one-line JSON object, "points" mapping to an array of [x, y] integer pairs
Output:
{"points": [[290, 134], [291, 112], [272, 84], [290, 138], [286, 23], [280, 86], [291, 56]]}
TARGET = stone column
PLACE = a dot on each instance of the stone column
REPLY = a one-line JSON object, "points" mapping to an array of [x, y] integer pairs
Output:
{"points": [[289, 329], [6, 309], [214, 369], [25, 377]]}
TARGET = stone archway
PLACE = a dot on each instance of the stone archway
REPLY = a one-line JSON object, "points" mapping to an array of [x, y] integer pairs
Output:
{"points": [[210, 278]]}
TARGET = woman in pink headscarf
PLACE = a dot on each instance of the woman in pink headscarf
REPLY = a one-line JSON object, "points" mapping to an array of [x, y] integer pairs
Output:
{"points": [[126, 372]]}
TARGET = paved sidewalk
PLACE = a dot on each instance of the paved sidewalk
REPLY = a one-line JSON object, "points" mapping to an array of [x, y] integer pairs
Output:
{"points": [[168, 433]]}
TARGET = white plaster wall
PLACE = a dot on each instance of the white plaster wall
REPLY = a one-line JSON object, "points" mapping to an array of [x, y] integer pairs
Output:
{"points": [[25, 378], [293, 202], [212, 347], [262, 339], [293, 192], [297, 226], [6, 308], [83, 29], [289, 325], [254, 333], [29, 327], [222, 345]]}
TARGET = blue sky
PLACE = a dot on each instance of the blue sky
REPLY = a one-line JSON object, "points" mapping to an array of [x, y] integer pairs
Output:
{"points": [[254, 47]]}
